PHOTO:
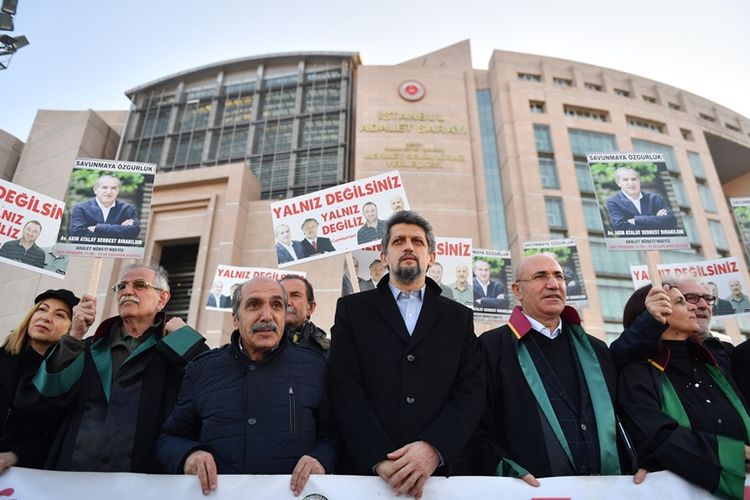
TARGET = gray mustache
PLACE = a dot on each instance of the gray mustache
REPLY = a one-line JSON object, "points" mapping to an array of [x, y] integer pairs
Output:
{"points": [[264, 326], [128, 298]]}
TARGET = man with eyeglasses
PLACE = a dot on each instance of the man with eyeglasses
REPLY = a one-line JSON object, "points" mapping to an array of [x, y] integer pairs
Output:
{"points": [[114, 390], [635, 344], [550, 387]]}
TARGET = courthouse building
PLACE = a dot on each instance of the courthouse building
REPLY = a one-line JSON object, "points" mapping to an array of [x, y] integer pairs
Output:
{"points": [[496, 155]]}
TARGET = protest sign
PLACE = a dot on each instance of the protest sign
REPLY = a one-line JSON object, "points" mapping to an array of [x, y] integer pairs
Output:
{"points": [[637, 202], [29, 222], [106, 209], [368, 268], [491, 286], [722, 278], [336, 220], [566, 254], [22, 484], [228, 278], [741, 209], [452, 268]]}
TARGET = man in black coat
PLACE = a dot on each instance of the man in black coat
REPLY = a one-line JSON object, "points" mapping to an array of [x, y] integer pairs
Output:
{"points": [[405, 374], [550, 387]]}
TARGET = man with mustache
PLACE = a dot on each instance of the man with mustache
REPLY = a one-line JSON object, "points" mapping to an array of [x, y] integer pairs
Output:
{"points": [[301, 305], [550, 387], [114, 390], [257, 405], [405, 374]]}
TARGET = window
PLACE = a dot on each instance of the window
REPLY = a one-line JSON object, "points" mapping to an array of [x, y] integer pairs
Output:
{"points": [[195, 115], [155, 122], [696, 164], [593, 86], [690, 229], [686, 134], [622, 92], [642, 146], [272, 136], [491, 161], [649, 99], [316, 168], [613, 294], [237, 110], [189, 149], [646, 124], [586, 113], [319, 130], [543, 139], [326, 74], [679, 192], [613, 262], [279, 82], [592, 216], [583, 176], [555, 214], [562, 82], [236, 88], [548, 171], [583, 142], [537, 107], [732, 127], [278, 103], [674, 106], [706, 198], [530, 77], [706, 117], [229, 143], [717, 233], [321, 98]]}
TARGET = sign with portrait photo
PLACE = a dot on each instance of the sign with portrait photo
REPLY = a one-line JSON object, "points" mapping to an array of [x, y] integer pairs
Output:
{"points": [[228, 278], [741, 210], [566, 254], [722, 278], [29, 222], [491, 284], [106, 209], [637, 202], [336, 220]]}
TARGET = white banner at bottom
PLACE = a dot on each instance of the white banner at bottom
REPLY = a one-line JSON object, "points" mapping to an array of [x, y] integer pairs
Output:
{"points": [[27, 484]]}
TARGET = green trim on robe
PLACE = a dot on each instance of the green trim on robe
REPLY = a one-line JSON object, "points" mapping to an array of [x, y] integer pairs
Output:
{"points": [[146, 345], [732, 460], [731, 451], [54, 384], [101, 352], [601, 402], [509, 468], [182, 339]]}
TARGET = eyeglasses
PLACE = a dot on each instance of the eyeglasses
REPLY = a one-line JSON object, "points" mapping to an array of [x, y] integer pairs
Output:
{"points": [[694, 298], [136, 284], [544, 278]]}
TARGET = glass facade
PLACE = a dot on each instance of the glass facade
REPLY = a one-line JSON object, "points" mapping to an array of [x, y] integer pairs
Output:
{"points": [[491, 162], [286, 118]]}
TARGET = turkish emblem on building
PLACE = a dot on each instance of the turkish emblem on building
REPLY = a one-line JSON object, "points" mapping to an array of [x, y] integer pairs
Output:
{"points": [[411, 90]]}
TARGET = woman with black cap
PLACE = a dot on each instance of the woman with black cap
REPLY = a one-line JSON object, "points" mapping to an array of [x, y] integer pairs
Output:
{"points": [[25, 440]]}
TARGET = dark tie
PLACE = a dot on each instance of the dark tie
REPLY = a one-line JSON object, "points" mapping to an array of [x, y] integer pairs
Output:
{"points": [[315, 244]]}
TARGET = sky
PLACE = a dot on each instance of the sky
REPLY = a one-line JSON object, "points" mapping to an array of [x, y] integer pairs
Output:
{"points": [[86, 54]]}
